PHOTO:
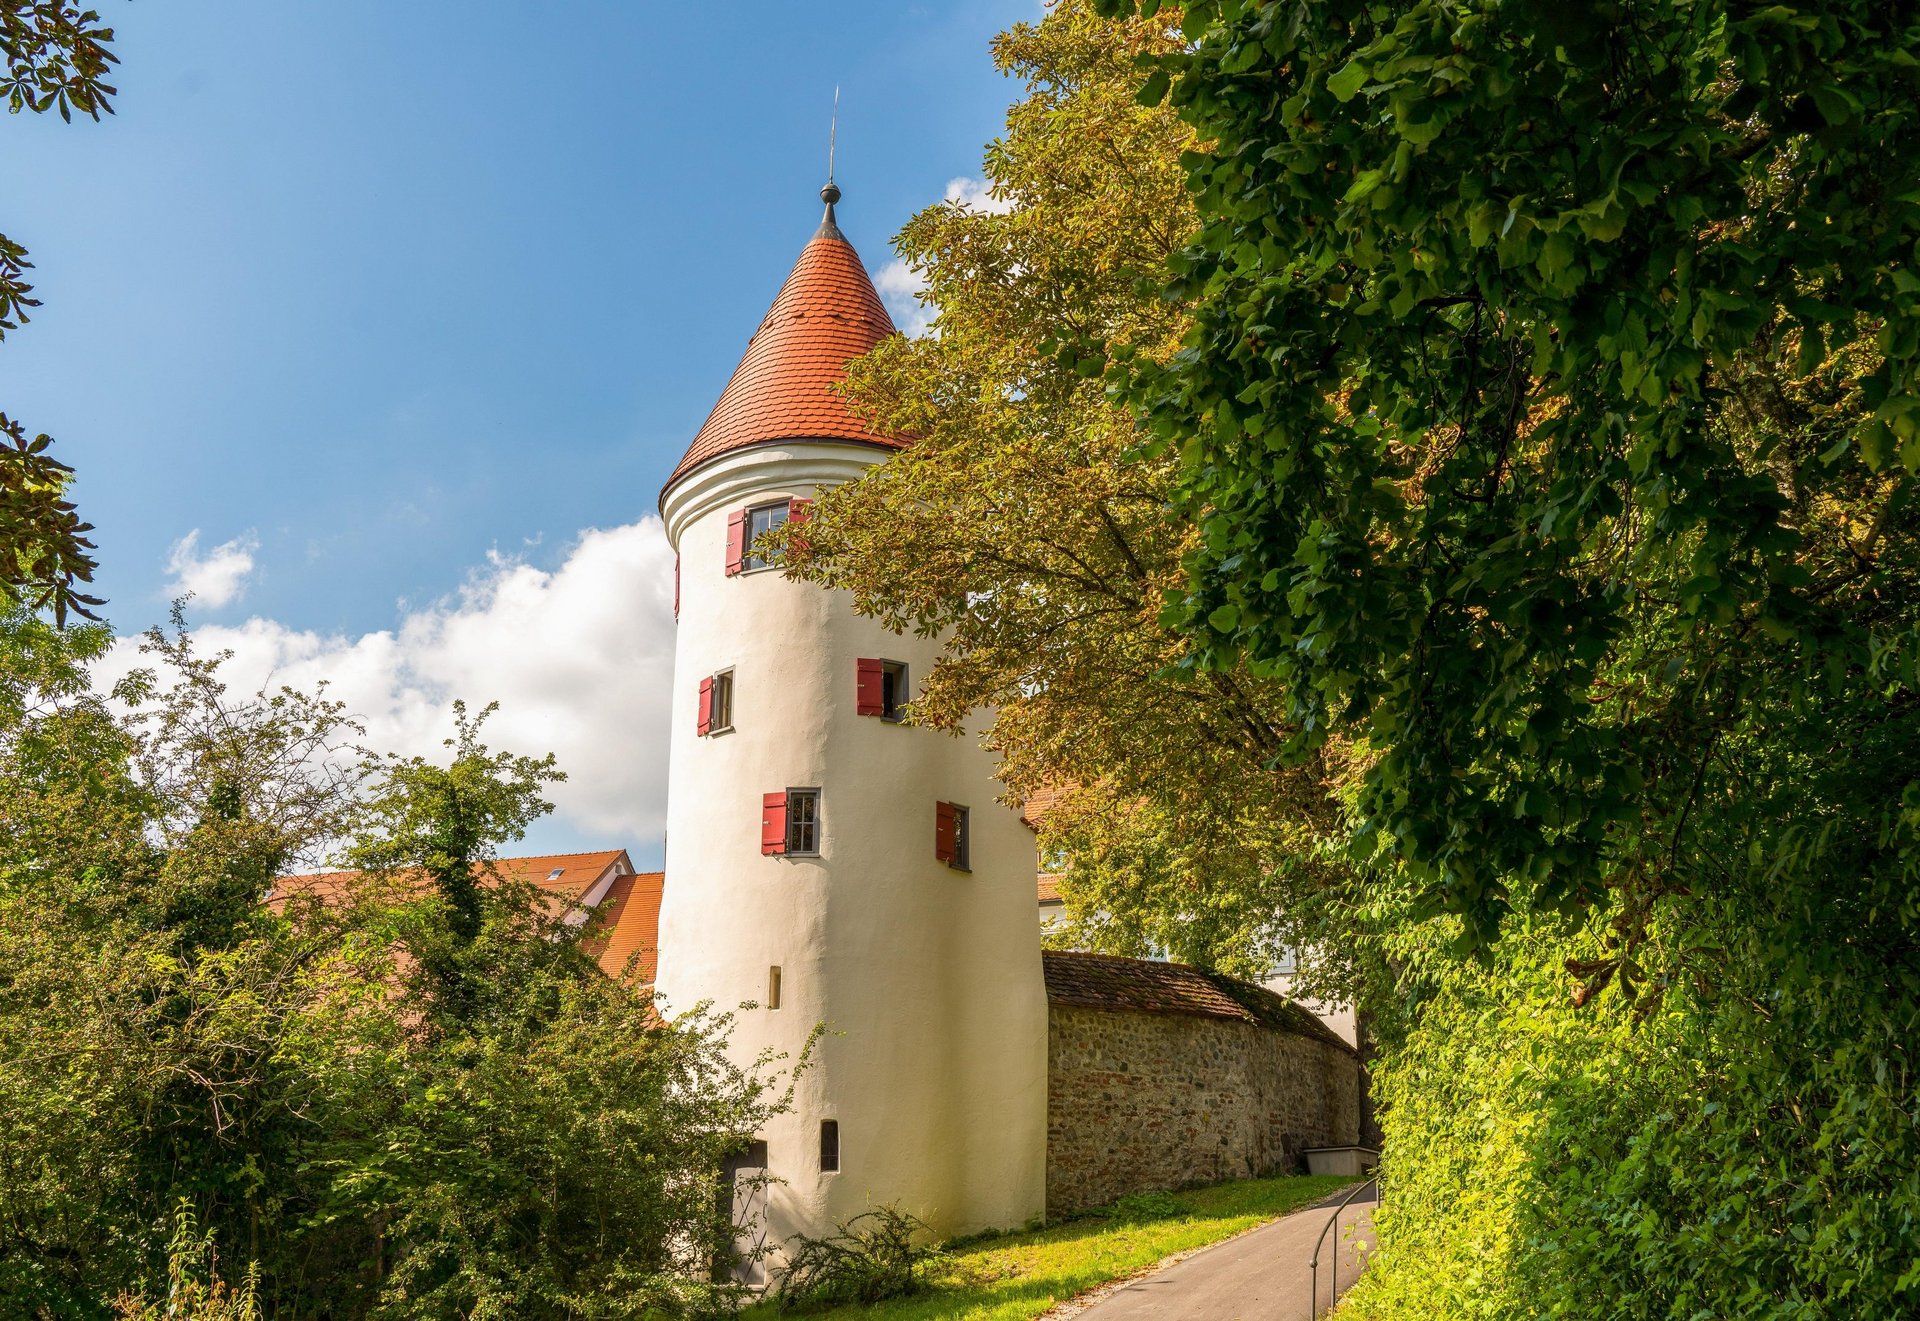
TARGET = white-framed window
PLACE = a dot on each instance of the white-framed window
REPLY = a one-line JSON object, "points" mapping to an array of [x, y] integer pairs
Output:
{"points": [[762, 519], [803, 821], [716, 704]]}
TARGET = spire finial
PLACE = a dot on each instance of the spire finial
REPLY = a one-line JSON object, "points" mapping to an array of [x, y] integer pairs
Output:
{"points": [[831, 192]]}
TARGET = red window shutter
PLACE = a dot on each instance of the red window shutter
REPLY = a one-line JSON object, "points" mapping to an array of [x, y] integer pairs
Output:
{"points": [[676, 585], [706, 704], [944, 832], [798, 511], [736, 540], [867, 688], [773, 823]]}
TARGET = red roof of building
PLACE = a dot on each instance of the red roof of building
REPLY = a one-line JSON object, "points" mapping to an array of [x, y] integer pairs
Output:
{"points": [[629, 920], [826, 315]]}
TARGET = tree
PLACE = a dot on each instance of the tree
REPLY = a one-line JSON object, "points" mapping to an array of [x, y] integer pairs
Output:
{"points": [[1549, 422], [385, 1104], [57, 59], [1017, 526]]}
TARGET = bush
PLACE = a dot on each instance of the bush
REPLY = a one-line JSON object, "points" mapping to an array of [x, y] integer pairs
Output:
{"points": [[870, 1258], [195, 1291], [1744, 1147]]}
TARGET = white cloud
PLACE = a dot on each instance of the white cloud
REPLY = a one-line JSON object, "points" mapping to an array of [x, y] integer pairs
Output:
{"points": [[215, 579], [973, 194], [579, 658], [900, 286]]}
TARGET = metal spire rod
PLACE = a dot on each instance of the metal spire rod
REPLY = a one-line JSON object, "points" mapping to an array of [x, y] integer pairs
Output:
{"points": [[833, 131]]}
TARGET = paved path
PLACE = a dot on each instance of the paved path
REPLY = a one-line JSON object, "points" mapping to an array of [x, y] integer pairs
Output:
{"points": [[1260, 1276]]}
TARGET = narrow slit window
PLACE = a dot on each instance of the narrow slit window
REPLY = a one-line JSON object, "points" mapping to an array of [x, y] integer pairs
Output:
{"points": [[722, 715], [773, 987], [829, 1145], [803, 821]]}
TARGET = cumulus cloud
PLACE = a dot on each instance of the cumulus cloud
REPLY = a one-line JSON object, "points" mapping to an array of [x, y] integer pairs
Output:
{"points": [[975, 195], [580, 659], [215, 579], [900, 286]]}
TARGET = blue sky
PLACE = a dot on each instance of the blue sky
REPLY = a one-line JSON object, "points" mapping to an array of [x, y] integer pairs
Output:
{"points": [[395, 301]]}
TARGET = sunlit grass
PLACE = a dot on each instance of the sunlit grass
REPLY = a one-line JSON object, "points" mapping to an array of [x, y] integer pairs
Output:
{"points": [[1010, 1277]]}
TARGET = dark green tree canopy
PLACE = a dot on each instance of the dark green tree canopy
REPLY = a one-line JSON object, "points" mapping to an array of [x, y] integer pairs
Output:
{"points": [[1550, 414]]}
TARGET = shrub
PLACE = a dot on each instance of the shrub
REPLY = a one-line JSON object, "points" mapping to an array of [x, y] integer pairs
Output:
{"points": [[195, 1291], [870, 1258]]}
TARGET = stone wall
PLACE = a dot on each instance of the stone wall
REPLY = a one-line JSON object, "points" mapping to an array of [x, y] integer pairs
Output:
{"points": [[1139, 1101]]}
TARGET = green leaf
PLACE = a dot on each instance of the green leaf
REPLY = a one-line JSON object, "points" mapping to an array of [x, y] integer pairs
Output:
{"points": [[1348, 81], [1154, 90]]}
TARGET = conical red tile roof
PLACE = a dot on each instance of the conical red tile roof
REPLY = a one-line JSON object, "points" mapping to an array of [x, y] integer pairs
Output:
{"points": [[826, 314]]}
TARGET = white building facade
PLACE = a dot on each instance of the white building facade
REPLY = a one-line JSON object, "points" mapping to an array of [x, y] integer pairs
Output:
{"points": [[829, 863]]}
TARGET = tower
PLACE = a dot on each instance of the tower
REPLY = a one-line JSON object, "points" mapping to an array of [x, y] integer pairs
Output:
{"points": [[821, 856]]}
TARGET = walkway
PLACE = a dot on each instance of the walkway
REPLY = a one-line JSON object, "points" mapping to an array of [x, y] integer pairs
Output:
{"points": [[1260, 1276]]}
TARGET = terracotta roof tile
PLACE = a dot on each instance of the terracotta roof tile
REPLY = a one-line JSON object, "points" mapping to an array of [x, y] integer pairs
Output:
{"points": [[826, 314], [1142, 986], [629, 924], [1049, 887]]}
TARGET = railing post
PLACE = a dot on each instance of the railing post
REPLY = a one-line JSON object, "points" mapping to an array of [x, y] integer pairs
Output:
{"points": [[1313, 1281]]}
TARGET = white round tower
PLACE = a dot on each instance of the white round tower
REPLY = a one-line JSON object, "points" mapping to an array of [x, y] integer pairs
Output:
{"points": [[823, 857]]}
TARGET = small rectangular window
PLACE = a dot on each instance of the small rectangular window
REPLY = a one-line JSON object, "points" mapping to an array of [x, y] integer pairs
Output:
{"points": [[829, 1145], [773, 987], [803, 821], [893, 689], [950, 836], [760, 520], [722, 706]]}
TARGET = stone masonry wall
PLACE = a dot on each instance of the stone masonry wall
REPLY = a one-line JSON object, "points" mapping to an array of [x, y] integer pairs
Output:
{"points": [[1139, 1101]]}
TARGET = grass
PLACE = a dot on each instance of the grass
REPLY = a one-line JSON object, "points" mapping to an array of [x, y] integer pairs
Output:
{"points": [[1014, 1276]]}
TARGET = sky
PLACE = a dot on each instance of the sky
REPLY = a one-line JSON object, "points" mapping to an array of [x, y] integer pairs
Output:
{"points": [[378, 326]]}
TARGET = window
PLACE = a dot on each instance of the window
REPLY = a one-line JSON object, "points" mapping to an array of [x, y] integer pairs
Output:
{"points": [[761, 520], [745, 526], [716, 704], [773, 987], [790, 822], [829, 1145], [880, 688], [803, 820], [951, 843]]}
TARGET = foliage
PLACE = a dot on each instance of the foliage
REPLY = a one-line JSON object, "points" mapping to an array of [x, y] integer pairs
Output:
{"points": [[1021, 1275], [1548, 420], [876, 1255], [195, 1291], [1037, 553], [1748, 1151], [1549, 414], [56, 58], [290, 1069]]}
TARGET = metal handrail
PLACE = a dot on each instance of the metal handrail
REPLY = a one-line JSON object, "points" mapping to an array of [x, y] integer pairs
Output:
{"points": [[1313, 1285]]}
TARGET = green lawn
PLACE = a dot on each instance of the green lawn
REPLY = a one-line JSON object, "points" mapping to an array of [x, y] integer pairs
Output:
{"points": [[1009, 1277]]}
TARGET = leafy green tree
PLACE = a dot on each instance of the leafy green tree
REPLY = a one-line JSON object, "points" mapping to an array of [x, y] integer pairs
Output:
{"points": [[372, 1102], [1548, 420], [1549, 415], [56, 59], [1017, 528]]}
